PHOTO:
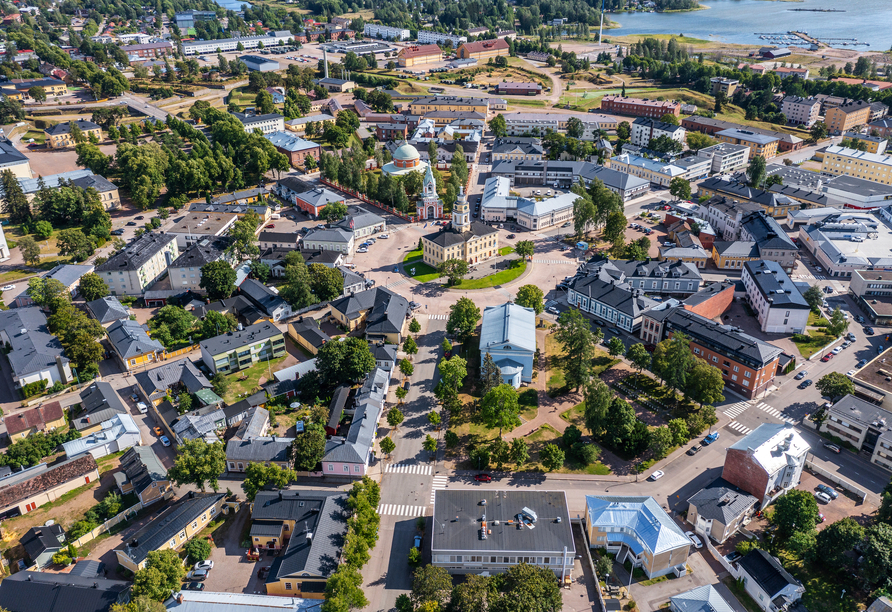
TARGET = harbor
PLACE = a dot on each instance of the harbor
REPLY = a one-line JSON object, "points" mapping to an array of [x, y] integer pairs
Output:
{"points": [[795, 37]]}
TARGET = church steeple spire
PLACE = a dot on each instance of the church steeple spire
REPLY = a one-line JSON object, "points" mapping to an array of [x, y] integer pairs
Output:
{"points": [[461, 213]]}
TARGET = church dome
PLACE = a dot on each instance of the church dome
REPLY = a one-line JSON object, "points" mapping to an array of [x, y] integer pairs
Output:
{"points": [[406, 152]]}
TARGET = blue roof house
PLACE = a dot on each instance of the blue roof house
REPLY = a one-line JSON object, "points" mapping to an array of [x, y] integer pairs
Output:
{"points": [[508, 333], [637, 529]]}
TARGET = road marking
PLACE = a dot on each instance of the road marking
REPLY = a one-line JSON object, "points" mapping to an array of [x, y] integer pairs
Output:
{"points": [[734, 410], [554, 261], [408, 468], [440, 483], [398, 510], [396, 283], [434, 317], [739, 427]]}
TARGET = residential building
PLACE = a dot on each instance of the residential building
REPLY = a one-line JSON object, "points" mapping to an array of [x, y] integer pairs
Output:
{"points": [[59, 136], [45, 418], [767, 582], [696, 123], [171, 378], [883, 126], [267, 124], [187, 19], [439, 38], [337, 85], [380, 31], [422, 54], [759, 144], [517, 149], [149, 50], [700, 599], [508, 335], [67, 274], [293, 147], [664, 278], [637, 107], [609, 299], [748, 365], [773, 203], [139, 264], [801, 111], [529, 526], [255, 424], [299, 125], [863, 423], [312, 202], [41, 543], [185, 271], [314, 524], [330, 239], [99, 403], [726, 158], [171, 528], [116, 434], [848, 116], [539, 124], [240, 453], [878, 110], [652, 170], [29, 591], [14, 160], [519, 89], [392, 131], [767, 462], [362, 222], [780, 307], [143, 474], [33, 487], [238, 350], [108, 310], [384, 314], [638, 530], [34, 353], [464, 239], [482, 50], [132, 345], [268, 301], [564, 174], [872, 144], [872, 290], [859, 164], [239, 306], [732, 255], [693, 254], [192, 228], [725, 214], [720, 509], [17, 89], [278, 240], [254, 195], [350, 455], [646, 129], [787, 71], [224, 45], [724, 85], [258, 63]]}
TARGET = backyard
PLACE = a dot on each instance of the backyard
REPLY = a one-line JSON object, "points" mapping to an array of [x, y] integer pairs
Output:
{"points": [[245, 382]]}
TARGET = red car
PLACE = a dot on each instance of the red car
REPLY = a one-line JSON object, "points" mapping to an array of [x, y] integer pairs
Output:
{"points": [[271, 225], [483, 478], [827, 357]]}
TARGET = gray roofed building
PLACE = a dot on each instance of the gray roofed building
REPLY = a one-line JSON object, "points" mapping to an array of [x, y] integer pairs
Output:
{"points": [[508, 335], [361, 222], [384, 354], [14, 160], [172, 375], [651, 276], [517, 148], [67, 274], [65, 128], [264, 298], [240, 306], [130, 339], [254, 424], [35, 353], [766, 581], [29, 591], [780, 307], [42, 542], [308, 334], [209, 601], [202, 423], [271, 240], [609, 299], [701, 599], [99, 402], [108, 309], [142, 473], [566, 173], [316, 199], [772, 241], [241, 452], [737, 248], [223, 352], [523, 522], [356, 447], [719, 509], [328, 235], [205, 251], [382, 311], [236, 413], [148, 256], [448, 236]]}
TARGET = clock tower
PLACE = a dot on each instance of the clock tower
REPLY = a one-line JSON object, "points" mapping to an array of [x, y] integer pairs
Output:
{"points": [[461, 213], [429, 206]]}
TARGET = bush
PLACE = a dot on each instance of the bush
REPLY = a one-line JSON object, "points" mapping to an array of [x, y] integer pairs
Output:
{"points": [[414, 556], [746, 546], [61, 558], [198, 549], [35, 388]]}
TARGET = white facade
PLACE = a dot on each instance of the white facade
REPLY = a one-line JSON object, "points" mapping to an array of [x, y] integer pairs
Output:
{"points": [[267, 124], [135, 281], [199, 47], [781, 319], [380, 31], [644, 130], [726, 157], [117, 434], [519, 124], [438, 38], [801, 111]]}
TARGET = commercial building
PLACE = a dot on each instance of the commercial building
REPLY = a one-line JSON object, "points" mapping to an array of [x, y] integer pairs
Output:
{"points": [[871, 144], [519, 89], [293, 147], [530, 526], [748, 365], [192, 228], [337, 85], [33, 487], [150, 50], [801, 111], [132, 344], [759, 144], [139, 264], [610, 300], [663, 278], [636, 529], [779, 305], [238, 350], [454, 104], [416, 55], [382, 313], [767, 582], [223, 45], [848, 116], [720, 509], [312, 202], [725, 157], [508, 335], [564, 174], [258, 63], [732, 255], [768, 462], [724, 85], [45, 419], [34, 354], [652, 170], [333, 239], [143, 474], [539, 124], [846, 243], [859, 164], [171, 528], [862, 423], [872, 290], [267, 124], [482, 50], [517, 149], [773, 203], [14, 160], [361, 222], [30, 591], [379, 31], [59, 136], [464, 239], [638, 107]]}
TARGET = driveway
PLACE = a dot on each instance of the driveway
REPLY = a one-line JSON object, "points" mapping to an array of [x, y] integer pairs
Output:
{"points": [[232, 573]]}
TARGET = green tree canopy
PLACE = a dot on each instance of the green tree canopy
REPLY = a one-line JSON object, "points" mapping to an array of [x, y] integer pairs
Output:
{"points": [[499, 408], [308, 448], [218, 279], [92, 287], [463, 318], [258, 476], [198, 463], [835, 384], [795, 511], [530, 296]]}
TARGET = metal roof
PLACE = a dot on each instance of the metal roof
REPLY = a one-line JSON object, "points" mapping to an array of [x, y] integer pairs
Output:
{"points": [[700, 599], [508, 324], [642, 515]]}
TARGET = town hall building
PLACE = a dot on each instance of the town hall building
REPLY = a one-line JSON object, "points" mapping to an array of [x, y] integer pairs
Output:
{"points": [[470, 241]]}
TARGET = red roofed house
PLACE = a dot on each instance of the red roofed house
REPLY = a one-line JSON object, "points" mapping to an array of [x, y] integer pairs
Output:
{"points": [[43, 418], [27, 490], [483, 49]]}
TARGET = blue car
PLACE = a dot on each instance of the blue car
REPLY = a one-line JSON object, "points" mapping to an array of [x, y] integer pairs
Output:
{"points": [[710, 438], [396, 269]]}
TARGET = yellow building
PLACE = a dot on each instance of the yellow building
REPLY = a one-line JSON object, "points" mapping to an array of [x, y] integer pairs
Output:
{"points": [[482, 50], [132, 344], [872, 144], [422, 54], [42, 487], [311, 526], [759, 144], [18, 89], [171, 528], [847, 116], [383, 313], [46, 418], [59, 136], [732, 255], [469, 241], [860, 164], [724, 85], [454, 104]]}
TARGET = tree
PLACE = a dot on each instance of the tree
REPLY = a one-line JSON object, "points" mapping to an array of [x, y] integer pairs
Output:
{"points": [[406, 367], [814, 297], [638, 356], [552, 457], [15, 203], [387, 446], [30, 250], [575, 336], [624, 130], [414, 326], [818, 132], [431, 583], [263, 102], [665, 144], [838, 323], [341, 362], [490, 375], [525, 248], [162, 575], [139, 604], [679, 430], [598, 398], [575, 128], [394, 417], [75, 243], [519, 452], [795, 511], [698, 140], [756, 171], [462, 321], [258, 476], [530, 296], [474, 594], [660, 441], [429, 444], [333, 212], [705, 383], [615, 347], [308, 448], [220, 384], [410, 347], [499, 408], [877, 566], [259, 270], [327, 283], [197, 549], [454, 270], [834, 385], [832, 542], [38, 94], [218, 279], [401, 394], [92, 287], [615, 226], [198, 463], [773, 179], [680, 188], [343, 590], [672, 360], [528, 588], [43, 229], [720, 99], [498, 126]]}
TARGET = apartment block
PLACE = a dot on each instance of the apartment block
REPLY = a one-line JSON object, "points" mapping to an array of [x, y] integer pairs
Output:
{"points": [[241, 349], [859, 164], [801, 111], [779, 305], [847, 116], [379, 31], [759, 144], [872, 144], [139, 264], [639, 107], [644, 130], [439, 38], [864, 425], [724, 85], [726, 157]]}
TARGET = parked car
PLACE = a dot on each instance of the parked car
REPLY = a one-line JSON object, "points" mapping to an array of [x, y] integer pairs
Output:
{"points": [[822, 497], [164, 441], [851, 373], [384, 236], [118, 232], [656, 475], [733, 556], [827, 491], [868, 331], [805, 384], [194, 586], [694, 450], [554, 311], [695, 540], [511, 236], [827, 357], [158, 431], [414, 305], [846, 344], [837, 350], [204, 565], [710, 438], [197, 575], [131, 223], [832, 447], [483, 478], [801, 375]]}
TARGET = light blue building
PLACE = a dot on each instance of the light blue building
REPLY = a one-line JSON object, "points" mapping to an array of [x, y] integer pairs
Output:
{"points": [[508, 333]]}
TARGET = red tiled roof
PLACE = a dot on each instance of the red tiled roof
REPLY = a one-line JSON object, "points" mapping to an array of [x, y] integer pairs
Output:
{"points": [[485, 45], [47, 480], [35, 417], [420, 51]]}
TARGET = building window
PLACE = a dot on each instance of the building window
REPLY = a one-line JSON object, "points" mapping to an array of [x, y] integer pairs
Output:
{"points": [[287, 586]]}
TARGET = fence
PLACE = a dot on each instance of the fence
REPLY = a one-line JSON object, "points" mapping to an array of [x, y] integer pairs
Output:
{"points": [[179, 351], [44, 398], [588, 557], [845, 484], [719, 556], [367, 200], [107, 525]]}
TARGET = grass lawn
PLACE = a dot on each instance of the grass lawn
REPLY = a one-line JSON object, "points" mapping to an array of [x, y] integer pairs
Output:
{"points": [[816, 319], [741, 595], [529, 404], [14, 275], [423, 272], [39, 136], [555, 384], [679, 39], [506, 250], [817, 341], [494, 280], [526, 103], [240, 388]]}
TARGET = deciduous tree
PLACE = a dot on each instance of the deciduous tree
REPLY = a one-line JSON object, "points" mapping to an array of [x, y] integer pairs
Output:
{"points": [[530, 296], [575, 336], [218, 279], [198, 463], [552, 457], [525, 248], [834, 541], [797, 510], [834, 385], [499, 408], [258, 476], [162, 575], [490, 375], [308, 448], [638, 356], [92, 287], [463, 318]]}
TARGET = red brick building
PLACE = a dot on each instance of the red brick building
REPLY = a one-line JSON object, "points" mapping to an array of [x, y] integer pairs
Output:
{"points": [[392, 131], [638, 107], [149, 50], [520, 89], [767, 462]]}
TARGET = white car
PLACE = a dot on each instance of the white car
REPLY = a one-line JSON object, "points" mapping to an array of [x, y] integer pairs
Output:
{"points": [[851, 373], [143, 409], [384, 236], [362, 250], [8, 287], [656, 475], [204, 565], [837, 350], [695, 540], [822, 497]]}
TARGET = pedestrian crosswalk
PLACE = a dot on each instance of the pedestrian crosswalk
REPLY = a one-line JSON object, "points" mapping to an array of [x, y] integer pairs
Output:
{"points": [[408, 468], [439, 317], [402, 281], [439, 485], [554, 261], [739, 428], [399, 510], [774, 412], [736, 409]]}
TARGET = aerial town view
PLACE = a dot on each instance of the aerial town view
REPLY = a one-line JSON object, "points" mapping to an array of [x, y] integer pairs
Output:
{"points": [[445, 306]]}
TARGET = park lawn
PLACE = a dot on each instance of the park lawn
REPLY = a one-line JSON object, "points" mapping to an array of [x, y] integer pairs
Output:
{"points": [[547, 434], [241, 96], [240, 388], [506, 250], [529, 404], [575, 415], [14, 275], [540, 103], [493, 280], [39, 136], [816, 319], [423, 272], [689, 40], [817, 341], [822, 589], [555, 383]]}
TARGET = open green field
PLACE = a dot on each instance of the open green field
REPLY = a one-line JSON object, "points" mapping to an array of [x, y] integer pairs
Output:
{"points": [[494, 280], [423, 272]]}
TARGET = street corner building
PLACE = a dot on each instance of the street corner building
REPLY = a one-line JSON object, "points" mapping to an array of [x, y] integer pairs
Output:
{"points": [[469, 241], [487, 532]]}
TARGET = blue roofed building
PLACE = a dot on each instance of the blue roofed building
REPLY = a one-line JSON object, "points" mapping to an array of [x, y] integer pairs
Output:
{"points": [[508, 333], [638, 530], [701, 599]]}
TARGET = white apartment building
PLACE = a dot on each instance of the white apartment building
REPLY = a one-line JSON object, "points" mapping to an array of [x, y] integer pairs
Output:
{"points": [[801, 111], [779, 305], [380, 31], [539, 124], [438, 38], [273, 39], [644, 130], [139, 264], [726, 157], [267, 124]]}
